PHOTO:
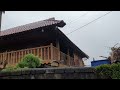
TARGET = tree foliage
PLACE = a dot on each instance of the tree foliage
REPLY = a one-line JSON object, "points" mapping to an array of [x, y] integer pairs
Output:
{"points": [[30, 61], [108, 71]]}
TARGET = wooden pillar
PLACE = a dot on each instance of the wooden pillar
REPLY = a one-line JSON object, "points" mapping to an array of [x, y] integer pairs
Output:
{"points": [[48, 53], [0, 56], [13, 58], [22, 54], [3, 57], [6, 55], [51, 46], [74, 59], [80, 61], [8, 58], [58, 47], [38, 52], [44, 53], [34, 51], [68, 56], [19, 57], [41, 53], [31, 51]]}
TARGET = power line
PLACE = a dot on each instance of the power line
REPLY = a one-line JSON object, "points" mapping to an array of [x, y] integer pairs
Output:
{"points": [[78, 18], [89, 23]]}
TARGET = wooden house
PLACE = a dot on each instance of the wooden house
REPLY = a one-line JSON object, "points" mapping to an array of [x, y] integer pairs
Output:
{"points": [[43, 39]]}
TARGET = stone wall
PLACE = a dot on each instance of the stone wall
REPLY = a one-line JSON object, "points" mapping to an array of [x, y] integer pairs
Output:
{"points": [[51, 73]]}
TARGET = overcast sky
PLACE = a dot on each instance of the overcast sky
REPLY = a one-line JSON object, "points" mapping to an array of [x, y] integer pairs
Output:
{"points": [[94, 39]]}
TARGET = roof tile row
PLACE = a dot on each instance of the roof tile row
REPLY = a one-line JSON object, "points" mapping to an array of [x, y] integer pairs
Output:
{"points": [[30, 26]]}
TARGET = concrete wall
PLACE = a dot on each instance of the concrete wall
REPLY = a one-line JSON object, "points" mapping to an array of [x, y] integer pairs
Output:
{"points": [[51, 73]]}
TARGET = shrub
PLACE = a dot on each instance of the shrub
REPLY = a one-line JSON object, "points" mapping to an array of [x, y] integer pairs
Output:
{"points": [[29, 61], [115, 71], [109, 71], [103, 71], [9, 68], [13, 68]]}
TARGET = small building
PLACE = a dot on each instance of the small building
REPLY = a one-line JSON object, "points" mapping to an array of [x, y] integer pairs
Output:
{"points": [[43, 39], [100, 62]]}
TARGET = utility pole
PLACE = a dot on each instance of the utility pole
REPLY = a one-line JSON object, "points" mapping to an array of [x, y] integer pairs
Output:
{"points": [[1, 18]]}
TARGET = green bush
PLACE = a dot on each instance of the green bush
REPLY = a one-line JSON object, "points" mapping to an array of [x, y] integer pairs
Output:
{"points": [[115, 71], [107, 71], [13, 68], [103, 71], [30, 61], [9, 68]]}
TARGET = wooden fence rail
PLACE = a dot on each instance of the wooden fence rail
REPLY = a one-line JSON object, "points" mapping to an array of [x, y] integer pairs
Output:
{"points": [[14, 57], [46, 53]]}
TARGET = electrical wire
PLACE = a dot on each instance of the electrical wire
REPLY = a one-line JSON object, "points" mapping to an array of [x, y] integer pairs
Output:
{"points": [[89, 23], [77, 18]]}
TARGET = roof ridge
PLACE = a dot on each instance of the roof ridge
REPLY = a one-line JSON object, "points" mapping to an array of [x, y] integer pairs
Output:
{"points": [[53, 18], [31, 23]]}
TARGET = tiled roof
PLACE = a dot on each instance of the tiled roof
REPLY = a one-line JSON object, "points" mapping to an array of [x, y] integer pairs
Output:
{"points": [[31, 26]]}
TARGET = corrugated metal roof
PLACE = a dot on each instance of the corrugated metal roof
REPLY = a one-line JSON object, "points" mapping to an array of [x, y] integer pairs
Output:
{"points": [[30, 26]]}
